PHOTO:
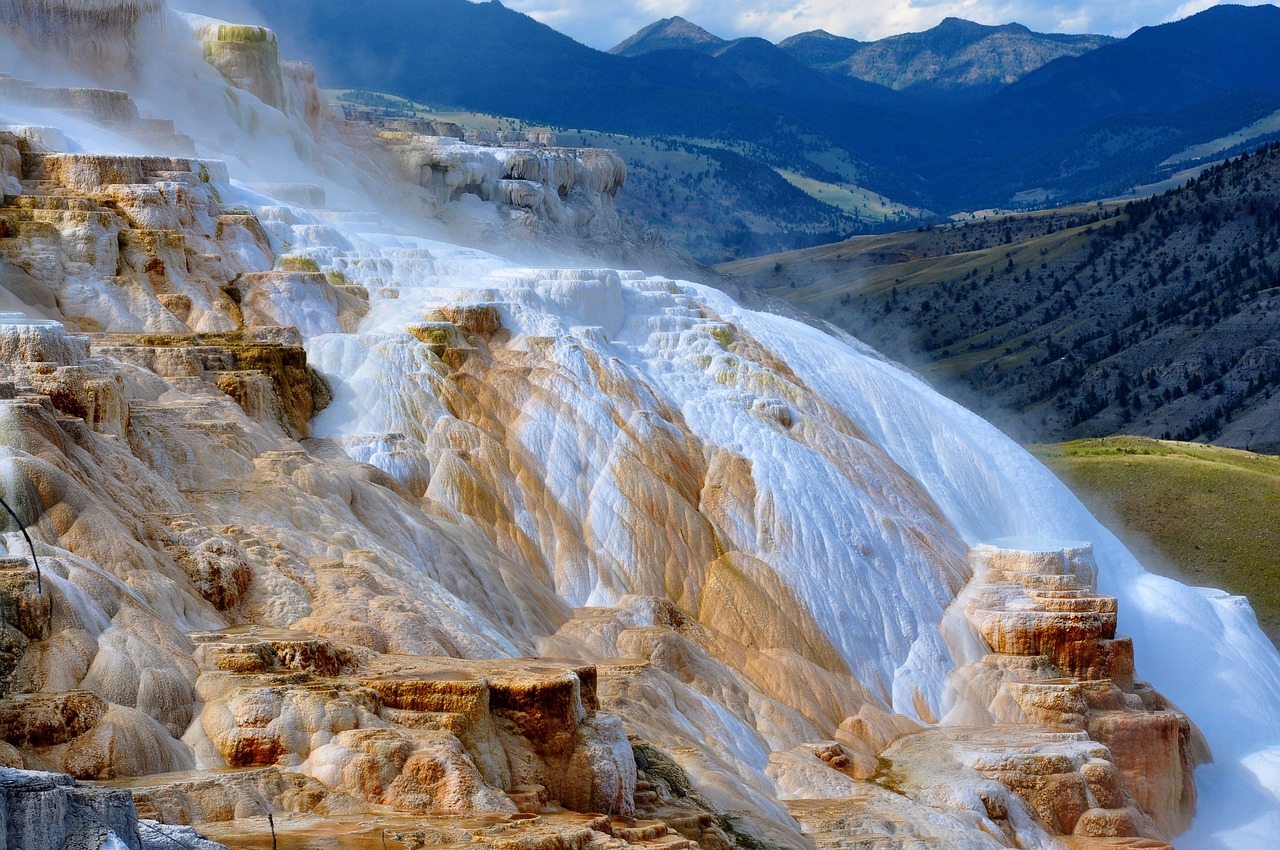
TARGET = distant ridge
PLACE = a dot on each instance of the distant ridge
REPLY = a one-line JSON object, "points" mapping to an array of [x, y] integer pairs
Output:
{"points": [[1078, 127], [668, 34], [820, 49], [955, 55]]}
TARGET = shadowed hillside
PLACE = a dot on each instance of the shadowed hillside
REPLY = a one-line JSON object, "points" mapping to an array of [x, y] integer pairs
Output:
{"points": [[956, 57], [1130, 104], [1156, 317]]}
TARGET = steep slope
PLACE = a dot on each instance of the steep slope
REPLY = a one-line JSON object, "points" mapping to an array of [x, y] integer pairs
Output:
{"points": [[523, 69], [1128, 105], [311, 484], [1155, 318], [1157, 69], [820, 49], [667, 34]]}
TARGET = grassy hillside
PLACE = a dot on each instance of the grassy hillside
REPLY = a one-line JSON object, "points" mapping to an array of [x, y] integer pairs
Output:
{"points": [[1158, 317], [1212, 514]]}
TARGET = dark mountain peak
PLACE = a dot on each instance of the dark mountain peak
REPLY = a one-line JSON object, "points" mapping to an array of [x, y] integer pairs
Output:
{"points": [[953, 24], [820, 49], [673, 33], [949, 35], [956, 58], [816, 37], [1214, 22]]}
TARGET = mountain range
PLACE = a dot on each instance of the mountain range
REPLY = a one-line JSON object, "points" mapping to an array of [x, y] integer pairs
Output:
{"points": [[351, 524], [938, 126], [958, 58]]}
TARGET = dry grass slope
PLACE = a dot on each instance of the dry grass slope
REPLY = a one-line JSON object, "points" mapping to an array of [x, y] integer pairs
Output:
{"points": [[1212, 513]]}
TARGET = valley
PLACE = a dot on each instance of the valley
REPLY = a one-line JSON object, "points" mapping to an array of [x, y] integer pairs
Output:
{"points": [[1152, 317]]}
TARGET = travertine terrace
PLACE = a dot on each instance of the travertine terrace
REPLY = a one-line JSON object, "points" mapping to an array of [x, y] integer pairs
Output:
{"points": [[344, 522]]}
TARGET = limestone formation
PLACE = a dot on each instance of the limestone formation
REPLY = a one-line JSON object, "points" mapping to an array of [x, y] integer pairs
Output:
{"points": [[346, 524], [50, 811], [546, 190], [1057, 662], [247, 56], [107, 108], [418, 734], [99, 37]]}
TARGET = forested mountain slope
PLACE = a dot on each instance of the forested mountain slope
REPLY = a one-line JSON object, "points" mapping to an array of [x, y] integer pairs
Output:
{"points": [[1156, 317]]}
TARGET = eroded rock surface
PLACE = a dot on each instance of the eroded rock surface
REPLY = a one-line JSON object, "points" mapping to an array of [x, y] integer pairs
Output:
{"points": [[1057, 662], [418, 734], [318, 499]]}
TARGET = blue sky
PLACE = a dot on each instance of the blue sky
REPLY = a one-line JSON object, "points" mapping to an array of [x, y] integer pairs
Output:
{"points": [[604, 23]]}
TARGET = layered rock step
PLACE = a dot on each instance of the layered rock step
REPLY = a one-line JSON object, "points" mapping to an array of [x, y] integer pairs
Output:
{"points": [[113, 110], [151, 232], [416, 733], [1068, 782], [1056, 661], [264, 372]]}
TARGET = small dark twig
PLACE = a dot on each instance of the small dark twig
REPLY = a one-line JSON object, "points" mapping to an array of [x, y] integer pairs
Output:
{"points": [[23, 528], [271, 822]]}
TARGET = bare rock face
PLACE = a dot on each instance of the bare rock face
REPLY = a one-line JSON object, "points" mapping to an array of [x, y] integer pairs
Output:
{"points": [[542, 190], [419, 734], [49, 811], [153, 225], [1009, 776]]}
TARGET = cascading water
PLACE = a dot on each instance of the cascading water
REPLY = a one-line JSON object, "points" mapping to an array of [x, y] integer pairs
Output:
{"points": [[612, 436]]}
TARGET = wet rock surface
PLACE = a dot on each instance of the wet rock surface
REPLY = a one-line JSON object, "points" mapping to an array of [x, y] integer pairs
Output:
{"points": [[1058, 662]]}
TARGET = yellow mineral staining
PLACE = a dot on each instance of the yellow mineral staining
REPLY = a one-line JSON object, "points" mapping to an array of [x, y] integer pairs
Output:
{"points": [[248, 57], [745, 598], [270, 380], [296, 263]]}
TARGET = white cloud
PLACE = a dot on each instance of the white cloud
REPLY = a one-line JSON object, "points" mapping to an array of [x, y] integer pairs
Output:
{"points": [[604, 24]]}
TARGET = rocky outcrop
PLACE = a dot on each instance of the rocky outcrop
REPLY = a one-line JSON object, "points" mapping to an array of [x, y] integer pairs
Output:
{"points": [[265, 370], [418, 734], [107, 108], [153, 226], [247, 56], [1057, 662], [510, 138], [539, 190], [268, 378], [49, 811]]}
